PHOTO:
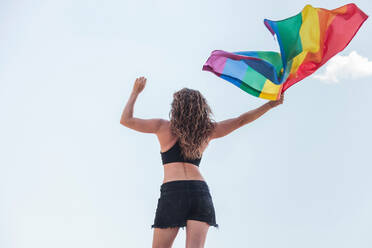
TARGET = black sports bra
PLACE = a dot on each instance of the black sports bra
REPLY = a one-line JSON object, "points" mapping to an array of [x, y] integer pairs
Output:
{"points": [[174, 155]]}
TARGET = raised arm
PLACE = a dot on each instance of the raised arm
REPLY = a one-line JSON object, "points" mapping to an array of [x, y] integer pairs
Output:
{"points": [[225, 127], [138, 124]]}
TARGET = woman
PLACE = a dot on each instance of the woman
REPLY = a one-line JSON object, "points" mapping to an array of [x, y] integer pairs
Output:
{"points": [[185, 199]]}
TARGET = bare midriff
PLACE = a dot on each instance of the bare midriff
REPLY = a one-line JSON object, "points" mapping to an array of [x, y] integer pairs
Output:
{"points": [[181, 171]]}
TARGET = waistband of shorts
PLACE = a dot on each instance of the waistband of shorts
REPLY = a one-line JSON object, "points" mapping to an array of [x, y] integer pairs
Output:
{"points": [[179, 185]]}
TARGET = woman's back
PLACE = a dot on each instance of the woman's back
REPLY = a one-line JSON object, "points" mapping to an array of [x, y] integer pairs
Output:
{"points": [[177, 170]]}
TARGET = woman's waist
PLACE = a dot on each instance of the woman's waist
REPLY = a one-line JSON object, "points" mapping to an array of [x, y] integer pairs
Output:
{"points": [[182, 178], [176, 174], [181, 166], [184, 185]]}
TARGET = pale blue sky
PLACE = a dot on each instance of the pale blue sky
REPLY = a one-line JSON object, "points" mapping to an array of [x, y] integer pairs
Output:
{"points": [[72, 176]]}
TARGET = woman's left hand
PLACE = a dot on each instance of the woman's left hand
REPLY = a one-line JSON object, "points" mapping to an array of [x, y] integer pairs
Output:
{"points": [[139, 85], [277, 102]]}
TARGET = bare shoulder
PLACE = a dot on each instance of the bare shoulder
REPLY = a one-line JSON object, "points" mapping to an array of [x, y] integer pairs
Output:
{"points": [[164, 135], [164, 127]]}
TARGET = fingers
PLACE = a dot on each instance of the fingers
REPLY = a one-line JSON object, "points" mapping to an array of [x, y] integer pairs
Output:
{"points": [[139, 84], [141, 79]]}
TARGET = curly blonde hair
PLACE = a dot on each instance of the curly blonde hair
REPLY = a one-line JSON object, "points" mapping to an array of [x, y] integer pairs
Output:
{"points": [[190, 121]]}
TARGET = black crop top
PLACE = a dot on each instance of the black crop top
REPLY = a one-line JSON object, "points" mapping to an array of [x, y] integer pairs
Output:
{"points": [[174, 155]]}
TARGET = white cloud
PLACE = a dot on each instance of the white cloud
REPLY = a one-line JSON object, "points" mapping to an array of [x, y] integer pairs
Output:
{"points": [[349, 66]]}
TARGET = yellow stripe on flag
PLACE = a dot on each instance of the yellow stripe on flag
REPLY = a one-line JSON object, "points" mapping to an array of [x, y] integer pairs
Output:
{"points": [[309, 31], [270, 90]]}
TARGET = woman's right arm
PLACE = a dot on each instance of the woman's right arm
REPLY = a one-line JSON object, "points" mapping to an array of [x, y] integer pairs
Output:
{"points": [[225, 127]]}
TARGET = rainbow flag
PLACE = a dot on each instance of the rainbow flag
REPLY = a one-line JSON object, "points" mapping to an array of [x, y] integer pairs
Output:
{"points": [[306, 40]]}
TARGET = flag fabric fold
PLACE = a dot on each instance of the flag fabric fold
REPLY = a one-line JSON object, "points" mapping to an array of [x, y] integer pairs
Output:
{"points": [[306, 41]]}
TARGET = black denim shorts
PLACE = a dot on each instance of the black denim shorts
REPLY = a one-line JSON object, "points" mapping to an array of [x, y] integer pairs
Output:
{"points": [[183, 200]]}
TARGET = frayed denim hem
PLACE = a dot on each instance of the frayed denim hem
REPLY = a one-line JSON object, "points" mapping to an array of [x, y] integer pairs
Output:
{"points": [[169, 226], [209, 223], [181, 225], [215, 225]]}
